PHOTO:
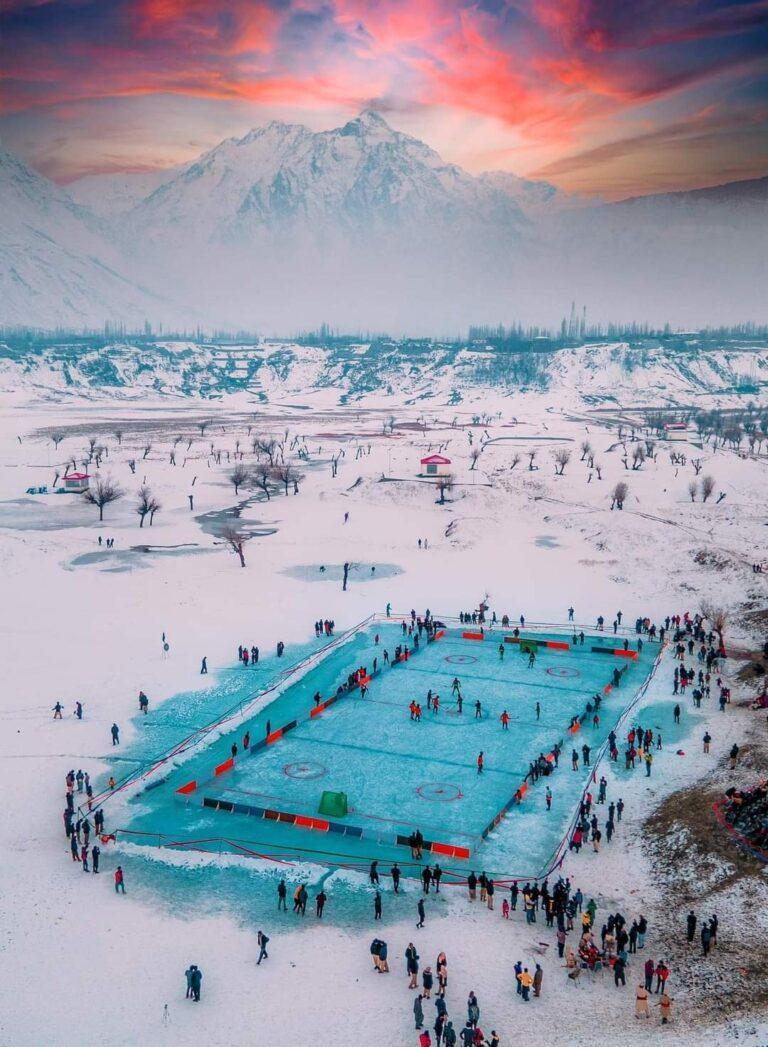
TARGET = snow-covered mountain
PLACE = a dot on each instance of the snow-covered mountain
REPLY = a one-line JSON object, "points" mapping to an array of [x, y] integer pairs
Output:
{"points": [[362, 180], [366, 228], [56, 265], [111, 195]]}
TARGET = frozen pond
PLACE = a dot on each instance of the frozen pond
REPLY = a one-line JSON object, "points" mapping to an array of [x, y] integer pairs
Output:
{"points": [[141, 556], [358, 572], [45, 513], [217, 521], [397, 774], [547, 541]]}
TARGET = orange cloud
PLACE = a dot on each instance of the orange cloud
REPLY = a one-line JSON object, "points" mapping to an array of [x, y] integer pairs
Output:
{"points": [[552, 71]]}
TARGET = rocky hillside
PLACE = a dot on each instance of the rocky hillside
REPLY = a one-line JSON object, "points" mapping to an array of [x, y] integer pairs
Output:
{"points": [[409, 371]]}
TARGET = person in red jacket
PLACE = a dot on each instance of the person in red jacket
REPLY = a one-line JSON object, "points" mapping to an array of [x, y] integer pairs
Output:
{"points": [[119, 882], [662, 973], [480, 762]]}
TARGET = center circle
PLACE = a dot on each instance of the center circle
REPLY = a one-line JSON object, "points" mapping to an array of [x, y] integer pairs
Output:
{"points": [[306, 770], [460, 659], [564, 671], [439, 792]]}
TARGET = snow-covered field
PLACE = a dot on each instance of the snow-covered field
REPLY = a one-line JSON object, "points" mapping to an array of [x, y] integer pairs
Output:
{"points": [[77, 961]]}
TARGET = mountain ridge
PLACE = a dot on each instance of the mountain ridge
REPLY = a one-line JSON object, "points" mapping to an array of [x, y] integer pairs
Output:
{"points": [[368, 228]]}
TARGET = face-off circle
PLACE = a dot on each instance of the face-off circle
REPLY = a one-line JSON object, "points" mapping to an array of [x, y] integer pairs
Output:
{"points": [[563, 671], [439, 792], [306, 770], [460, 659]]}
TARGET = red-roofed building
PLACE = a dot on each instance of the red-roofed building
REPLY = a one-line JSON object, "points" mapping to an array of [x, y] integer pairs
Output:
{"points": [[76, 483], [435, 465]]}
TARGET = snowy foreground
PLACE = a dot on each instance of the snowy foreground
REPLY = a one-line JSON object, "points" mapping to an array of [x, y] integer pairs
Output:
{"points": [[79, 963]]}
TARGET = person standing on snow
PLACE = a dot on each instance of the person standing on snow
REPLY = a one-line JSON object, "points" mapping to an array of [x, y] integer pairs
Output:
{"points": [[421, 912], [412, 965], [418, 1012], [262, 941], [473, 1010], [641, 1002], [538, 977]]}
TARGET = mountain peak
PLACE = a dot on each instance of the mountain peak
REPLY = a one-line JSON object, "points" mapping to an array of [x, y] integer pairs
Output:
{"points": [[274, 129], [368, 122]]}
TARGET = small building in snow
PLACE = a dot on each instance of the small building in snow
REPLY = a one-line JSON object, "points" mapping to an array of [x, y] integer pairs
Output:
{"points": [[676, 431], [435, 465], [76, 483]]}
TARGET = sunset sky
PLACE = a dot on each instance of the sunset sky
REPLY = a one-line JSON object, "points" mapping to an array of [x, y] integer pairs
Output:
{"points": [[609, 98]]}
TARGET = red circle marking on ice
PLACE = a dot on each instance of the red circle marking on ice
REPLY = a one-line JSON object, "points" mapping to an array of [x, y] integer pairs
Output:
{"points": [[563, 671], [460, 659], [439, 792], [306, 770]]}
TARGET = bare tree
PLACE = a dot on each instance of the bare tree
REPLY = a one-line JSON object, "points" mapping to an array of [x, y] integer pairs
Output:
{"points": [[268, 447], [143, 505], [562, 458], [147, 449], [586, 449], [638, 457], [444, 483], [531, 459], [733, 435], [102, 493], [598, 469], [235, 540], [119, 436], [57, 437], [203, 425], [650, 448], [155, 505], [239, 476], [619, 495], [132, 465], [697, 465], [717, 617], [92, 441], [474, 454], [261, 477], [707, 487], [287, 475], [692, 489], [515, 461]]}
